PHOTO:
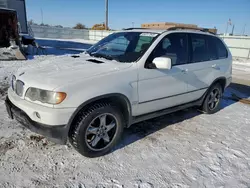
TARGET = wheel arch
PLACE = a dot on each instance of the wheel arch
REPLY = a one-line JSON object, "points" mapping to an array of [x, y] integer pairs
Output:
{"points": [[116, 98], [221, 80]]}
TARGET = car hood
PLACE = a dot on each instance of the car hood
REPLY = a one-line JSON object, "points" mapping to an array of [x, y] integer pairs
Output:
{"points": [[59, 71]]}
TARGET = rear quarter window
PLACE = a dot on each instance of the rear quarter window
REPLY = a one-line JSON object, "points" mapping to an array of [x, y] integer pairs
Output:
{"points": [[221, 49]]}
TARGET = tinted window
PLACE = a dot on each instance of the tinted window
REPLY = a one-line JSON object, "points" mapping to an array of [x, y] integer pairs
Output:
{"points": [[199, 51], [222, 51], [174, 46], [206, 48], [212, 49]]}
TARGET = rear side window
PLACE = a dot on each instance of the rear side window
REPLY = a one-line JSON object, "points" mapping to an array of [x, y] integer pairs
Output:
{"points": [[206, 48], [199, 50]]}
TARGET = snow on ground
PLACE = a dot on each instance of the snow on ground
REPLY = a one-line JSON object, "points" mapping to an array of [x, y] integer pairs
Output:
{"points": [[243, 65], [241, 71], [7, 53], [183, 149]]}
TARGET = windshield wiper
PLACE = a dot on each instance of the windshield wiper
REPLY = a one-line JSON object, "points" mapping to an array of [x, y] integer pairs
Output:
{"points": [[108, 57]]}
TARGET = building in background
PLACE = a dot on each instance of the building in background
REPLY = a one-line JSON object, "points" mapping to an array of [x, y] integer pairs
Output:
{"points": [[167, 25], [20, 8]]}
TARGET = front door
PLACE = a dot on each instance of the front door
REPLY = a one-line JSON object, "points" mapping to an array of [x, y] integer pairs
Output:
{"points": [[160, 88]]}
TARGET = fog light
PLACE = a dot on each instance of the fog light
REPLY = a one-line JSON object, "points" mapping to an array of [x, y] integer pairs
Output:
{"points": [[37, 115]]}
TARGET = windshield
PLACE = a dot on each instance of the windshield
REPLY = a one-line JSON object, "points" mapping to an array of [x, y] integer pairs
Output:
{"points": [[123, 46]]}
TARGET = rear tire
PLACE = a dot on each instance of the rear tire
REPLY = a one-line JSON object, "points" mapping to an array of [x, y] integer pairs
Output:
{"points": [[212, 100], [97, 130]]}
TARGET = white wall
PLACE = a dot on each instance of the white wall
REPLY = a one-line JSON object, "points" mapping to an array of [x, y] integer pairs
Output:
{"points": [[238, 45], [59, 33], [68, 33]]}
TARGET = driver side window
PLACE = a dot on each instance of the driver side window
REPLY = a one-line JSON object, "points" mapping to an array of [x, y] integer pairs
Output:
{"points": [[174, 46]]}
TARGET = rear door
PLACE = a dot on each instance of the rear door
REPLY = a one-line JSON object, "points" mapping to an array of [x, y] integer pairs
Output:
{"points": [[202, 67], [223, 63]]}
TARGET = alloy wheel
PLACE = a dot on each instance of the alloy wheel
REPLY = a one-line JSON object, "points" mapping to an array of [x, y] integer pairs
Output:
{"points": [[214, 98], [101, 131]]}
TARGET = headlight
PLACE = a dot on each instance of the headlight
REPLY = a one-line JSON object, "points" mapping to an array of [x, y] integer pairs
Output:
{"points": [[13, 82], [45, 96]]}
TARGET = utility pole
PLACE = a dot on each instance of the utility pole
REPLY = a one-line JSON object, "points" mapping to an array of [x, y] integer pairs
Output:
{"points": [[107, 15], [232, 30], [229, 22], [42, 14], [226, 29], [133, 24], [243, 32]]}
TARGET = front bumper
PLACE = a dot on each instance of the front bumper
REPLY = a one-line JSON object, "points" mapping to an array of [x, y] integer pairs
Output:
{"points": [[56, 133], [48, 115]]}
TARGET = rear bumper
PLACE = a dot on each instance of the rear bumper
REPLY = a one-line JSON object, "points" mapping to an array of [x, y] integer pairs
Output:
{"points": [[56, 133], [228, 81]]}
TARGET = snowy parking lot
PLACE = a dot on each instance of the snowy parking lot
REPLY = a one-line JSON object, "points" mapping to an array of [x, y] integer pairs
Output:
{"points": [[183, 149]]}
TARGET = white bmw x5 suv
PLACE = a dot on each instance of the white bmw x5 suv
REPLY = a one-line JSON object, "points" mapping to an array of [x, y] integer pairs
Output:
{"points": [[127, 77]]}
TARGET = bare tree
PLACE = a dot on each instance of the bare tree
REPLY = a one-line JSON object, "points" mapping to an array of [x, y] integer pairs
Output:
{"points": [[79, 26]]}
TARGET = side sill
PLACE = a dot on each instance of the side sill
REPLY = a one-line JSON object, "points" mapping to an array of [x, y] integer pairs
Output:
{"points": [[162, 112]]}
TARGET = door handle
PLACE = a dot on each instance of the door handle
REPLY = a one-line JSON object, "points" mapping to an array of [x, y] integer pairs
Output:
{"points": [[215, 67], [184, 70]]}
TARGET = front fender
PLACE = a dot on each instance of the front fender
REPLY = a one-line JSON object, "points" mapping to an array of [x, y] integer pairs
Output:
{"points": [[122, 82]]}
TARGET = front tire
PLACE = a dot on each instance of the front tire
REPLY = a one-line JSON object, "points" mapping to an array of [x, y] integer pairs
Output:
{"points": [[97, 130], [212, 100]]}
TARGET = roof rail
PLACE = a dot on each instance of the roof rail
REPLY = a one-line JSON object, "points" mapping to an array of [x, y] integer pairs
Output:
{"points": [[191, 28], [131, 28], [176, 28]]}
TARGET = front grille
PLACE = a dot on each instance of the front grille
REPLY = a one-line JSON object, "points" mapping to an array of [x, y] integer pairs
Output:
{"points": [[19, 88]]}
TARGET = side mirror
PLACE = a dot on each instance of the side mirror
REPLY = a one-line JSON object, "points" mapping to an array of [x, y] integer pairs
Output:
{"points": [[163, 62]]}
